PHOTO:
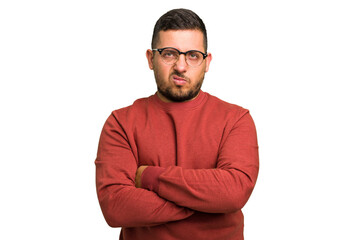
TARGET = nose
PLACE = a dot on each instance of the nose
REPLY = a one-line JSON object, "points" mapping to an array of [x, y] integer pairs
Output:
{"points": [[181, 64]]}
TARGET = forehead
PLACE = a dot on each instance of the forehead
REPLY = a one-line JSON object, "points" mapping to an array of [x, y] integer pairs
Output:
{"points": [[183, 40]]}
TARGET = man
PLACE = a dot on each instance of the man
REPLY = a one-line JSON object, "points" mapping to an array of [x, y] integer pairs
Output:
{"points": [[181, 163]]}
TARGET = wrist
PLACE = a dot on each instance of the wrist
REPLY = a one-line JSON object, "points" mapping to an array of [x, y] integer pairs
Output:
{"points": [[150, 178]]}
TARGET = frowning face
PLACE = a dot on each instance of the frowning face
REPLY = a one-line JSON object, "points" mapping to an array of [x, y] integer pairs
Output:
{"points": [[178, 82]]}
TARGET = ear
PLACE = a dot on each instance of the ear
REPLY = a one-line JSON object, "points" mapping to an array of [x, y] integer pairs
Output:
{"points": [[207, 62], [150, 56]]}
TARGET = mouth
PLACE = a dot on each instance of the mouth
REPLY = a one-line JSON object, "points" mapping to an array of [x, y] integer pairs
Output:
{"points": [[178, 80]]}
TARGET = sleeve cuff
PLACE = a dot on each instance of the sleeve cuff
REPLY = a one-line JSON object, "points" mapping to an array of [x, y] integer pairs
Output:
{"points": [[150, 178]]}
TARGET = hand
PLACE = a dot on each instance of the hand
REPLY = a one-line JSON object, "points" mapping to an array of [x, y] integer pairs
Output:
{"points": [[139, 172]]}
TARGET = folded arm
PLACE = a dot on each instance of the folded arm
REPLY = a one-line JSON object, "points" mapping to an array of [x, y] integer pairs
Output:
{"points": [[122, 204], [223, 189]]}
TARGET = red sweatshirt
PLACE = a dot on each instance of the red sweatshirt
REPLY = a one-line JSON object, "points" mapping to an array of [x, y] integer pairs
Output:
{"points": [[207, 156]]}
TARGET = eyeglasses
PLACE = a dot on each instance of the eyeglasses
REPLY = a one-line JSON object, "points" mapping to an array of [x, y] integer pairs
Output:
{"points": [[171, 55]]}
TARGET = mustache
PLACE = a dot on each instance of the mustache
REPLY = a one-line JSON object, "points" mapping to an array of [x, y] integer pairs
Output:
{"points": [[179, 75]]}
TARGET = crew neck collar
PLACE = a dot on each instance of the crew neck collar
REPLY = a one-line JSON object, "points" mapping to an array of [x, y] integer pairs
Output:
{"points": [[194, 103]]}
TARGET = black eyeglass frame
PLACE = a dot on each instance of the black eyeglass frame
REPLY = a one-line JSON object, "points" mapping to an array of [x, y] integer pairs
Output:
{"points": [[160, 50]]}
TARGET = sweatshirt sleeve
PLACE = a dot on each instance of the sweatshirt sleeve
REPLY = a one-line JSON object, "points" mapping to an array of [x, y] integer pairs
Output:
{"points": [[122, 204], [221, 190]]}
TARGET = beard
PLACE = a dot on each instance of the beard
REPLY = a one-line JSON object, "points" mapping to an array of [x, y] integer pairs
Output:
{"points": [[178, 93]]}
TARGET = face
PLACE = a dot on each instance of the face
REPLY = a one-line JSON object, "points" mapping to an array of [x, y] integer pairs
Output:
{"points": [[178, 82]]}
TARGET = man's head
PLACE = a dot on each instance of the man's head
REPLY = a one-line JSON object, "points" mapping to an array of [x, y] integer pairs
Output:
{"points": [[178, 19], [179, 76]]}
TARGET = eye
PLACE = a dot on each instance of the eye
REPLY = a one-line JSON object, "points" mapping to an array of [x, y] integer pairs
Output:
{"points": [[167, 53], [194, 55]]}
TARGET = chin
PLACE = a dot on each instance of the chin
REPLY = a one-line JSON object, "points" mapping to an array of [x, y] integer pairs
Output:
{"points": [[178, 95]]}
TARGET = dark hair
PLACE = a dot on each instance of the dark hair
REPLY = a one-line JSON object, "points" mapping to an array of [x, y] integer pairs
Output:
{"points": [[178, 19]]}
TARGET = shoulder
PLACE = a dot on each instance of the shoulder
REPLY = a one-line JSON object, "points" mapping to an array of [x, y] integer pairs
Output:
{"points": [[138, 105], [235, 116], [130, 113], [223, 107]]}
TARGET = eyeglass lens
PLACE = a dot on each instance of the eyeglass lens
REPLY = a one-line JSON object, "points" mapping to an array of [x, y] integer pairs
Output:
{"points": [[193, 58]]}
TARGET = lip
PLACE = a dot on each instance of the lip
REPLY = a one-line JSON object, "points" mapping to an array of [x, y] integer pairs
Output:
{"points": [[178, 80]]}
